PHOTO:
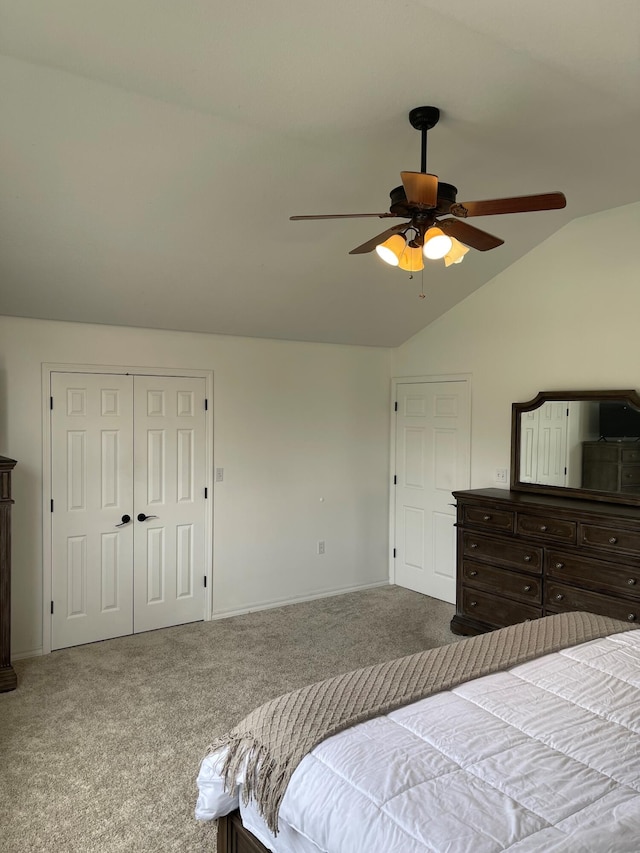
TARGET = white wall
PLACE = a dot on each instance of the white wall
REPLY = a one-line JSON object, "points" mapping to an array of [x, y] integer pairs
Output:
{"points": [[293, 422], [566, 316]]}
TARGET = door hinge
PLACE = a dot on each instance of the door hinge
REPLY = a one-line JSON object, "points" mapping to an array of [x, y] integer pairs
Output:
{"points": [[51, 504], [565, 471], [51, 402], [395, 407], [206, 404], [205, 581], [206, 492], [567, 412], [395, 480], [394, 553], [52, 608]]}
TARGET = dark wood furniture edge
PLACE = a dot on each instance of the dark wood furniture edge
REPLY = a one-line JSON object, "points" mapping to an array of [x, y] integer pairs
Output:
{"points": [[8, 678], [466, 627], [234, 838]]}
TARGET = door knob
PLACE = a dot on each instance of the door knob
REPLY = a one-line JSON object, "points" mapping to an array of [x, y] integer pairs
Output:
{"points": [[143, 517], [125, 520]]}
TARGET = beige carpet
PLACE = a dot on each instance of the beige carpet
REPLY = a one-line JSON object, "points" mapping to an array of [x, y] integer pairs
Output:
{"points": [[100, 744]]}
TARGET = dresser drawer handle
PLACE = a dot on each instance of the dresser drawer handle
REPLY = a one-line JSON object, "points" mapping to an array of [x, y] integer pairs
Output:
{"points": [[612, 540], [473, 573], [543, 528], [475, 604], [488, 517], [559, 565], [527, 558], [631, 582], [527, 588], [628, 476], [631, 617], [473, 545], [559, 596]]}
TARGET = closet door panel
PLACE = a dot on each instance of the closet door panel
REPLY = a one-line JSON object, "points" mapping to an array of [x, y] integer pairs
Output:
{"points": [[92, 490], [169, 455]]}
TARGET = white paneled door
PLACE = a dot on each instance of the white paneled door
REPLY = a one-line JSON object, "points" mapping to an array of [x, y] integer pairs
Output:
{"points": [[169, 483], [128, 480], [432, 459], [92, 491]]}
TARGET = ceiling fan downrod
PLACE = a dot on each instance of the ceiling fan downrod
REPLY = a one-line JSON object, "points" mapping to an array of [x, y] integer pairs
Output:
{"points": [[423, 119]]}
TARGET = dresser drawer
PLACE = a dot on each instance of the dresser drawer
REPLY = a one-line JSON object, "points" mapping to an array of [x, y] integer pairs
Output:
{"points": [[546, 527], [503, 552], [496, 611], [611, 538], [502, 582], [593, 573], [560, 598], [631, 455], [629, 475], [490, 519]]}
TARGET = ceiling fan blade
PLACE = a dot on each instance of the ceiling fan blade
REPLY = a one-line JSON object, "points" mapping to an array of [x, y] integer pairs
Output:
{"points": [[420, 188], [370, 245], [346, 216], [469, 235], [519, 204]]}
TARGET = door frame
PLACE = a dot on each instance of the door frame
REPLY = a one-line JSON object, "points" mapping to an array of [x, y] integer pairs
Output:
{"points": [[408, 380], [47, 556]]}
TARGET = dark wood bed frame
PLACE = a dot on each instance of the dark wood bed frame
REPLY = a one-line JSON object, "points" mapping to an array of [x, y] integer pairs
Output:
{"points": [[234, 838]]}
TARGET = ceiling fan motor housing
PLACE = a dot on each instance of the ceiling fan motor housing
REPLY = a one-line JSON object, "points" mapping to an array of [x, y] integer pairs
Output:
{"points": [[400, 206]]}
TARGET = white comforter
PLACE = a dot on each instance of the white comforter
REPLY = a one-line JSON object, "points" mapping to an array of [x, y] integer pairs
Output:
{"points": [[544, 757]]}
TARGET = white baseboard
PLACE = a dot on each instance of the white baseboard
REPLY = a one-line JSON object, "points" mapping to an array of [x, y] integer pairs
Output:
{"points": [[34, 653], [263, 605], [298, 599]]}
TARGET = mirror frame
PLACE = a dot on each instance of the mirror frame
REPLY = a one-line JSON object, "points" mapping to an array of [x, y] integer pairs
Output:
{"points": [[626, 396]]}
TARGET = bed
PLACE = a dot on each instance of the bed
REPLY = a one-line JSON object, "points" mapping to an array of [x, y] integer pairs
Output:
{"points": [[539, 750]]}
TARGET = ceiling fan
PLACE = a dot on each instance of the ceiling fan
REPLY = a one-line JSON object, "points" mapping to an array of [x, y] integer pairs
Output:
{"points": [[423, 200]]}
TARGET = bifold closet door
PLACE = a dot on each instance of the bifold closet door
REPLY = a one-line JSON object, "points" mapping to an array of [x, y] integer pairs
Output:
{"points": [[169, 546], [92, 492], [128, 520]]}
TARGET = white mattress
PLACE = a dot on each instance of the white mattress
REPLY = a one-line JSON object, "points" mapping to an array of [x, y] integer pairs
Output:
{"points": [[544, 757]]}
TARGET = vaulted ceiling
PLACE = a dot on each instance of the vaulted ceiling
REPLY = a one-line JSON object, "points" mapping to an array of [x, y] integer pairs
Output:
{"points": [[152, 151]]}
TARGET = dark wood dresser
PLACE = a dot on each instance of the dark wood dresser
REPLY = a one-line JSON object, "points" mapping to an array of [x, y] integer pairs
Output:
{"points": [[522, 556], [8, 680]]}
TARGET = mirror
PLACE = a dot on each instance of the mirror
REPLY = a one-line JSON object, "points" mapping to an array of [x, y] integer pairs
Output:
{"points": [[583, 444]]}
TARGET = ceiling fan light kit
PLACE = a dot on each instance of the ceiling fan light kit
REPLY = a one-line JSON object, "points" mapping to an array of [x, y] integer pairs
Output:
{"points": [[436, 244], [411, 259], [391, 250], [456, 253], [423, 200]]}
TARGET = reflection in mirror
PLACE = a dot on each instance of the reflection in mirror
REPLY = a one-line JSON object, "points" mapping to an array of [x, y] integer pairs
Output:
{"points": [[579, 441]]}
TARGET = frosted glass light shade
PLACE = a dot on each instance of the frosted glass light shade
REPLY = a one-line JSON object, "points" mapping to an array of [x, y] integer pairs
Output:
{"points": [[391, 249], [456, 253], [411, 259], [436, 244]]}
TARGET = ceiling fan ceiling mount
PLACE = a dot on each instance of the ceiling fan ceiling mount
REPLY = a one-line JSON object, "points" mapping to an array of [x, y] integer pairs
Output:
{"points": [[424, 118]]}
